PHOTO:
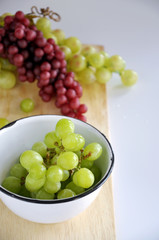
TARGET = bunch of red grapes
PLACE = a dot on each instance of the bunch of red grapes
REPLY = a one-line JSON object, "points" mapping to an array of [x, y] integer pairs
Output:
{"points": [[37, 58]]}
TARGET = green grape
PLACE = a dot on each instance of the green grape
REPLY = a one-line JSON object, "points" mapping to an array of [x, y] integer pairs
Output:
{"points": [[54, 174], [7, 79], [86, 163], [29, 157], [73, 142], [87, 50], [41, 148], [73, 43], [37, 171], [86, 76], [65, 193], [60, 35], [116, 63], [32, 184], [66, 175], [3, 122], [83, 178], [43, 24], [48, 35], [6, 65], [103, 75], [12, 184], [129, 77], [80, 142], [67, 160], [67, 52], [54, 160], [52, 187], [75, 188], [77, 63], [51, 140], [27, 105], [63, 127], [24, 192], [42, 194], [92, 151], [105, 54], [96, 60], [106, 58], [18, 171], [96, 172]]}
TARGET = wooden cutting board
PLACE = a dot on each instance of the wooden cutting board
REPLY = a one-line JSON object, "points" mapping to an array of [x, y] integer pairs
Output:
{"points": [[97, 221]]}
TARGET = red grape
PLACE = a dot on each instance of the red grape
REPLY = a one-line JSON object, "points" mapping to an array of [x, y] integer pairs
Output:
{"points": [[74, 103], [19, 33], [59, 55], [61, 99], [19, 15], [71, 93], [46, 97], [65, 109], [81, 117], [61, 91], [68, 81], [51, 41], [82, 108], [45, 75], [49, 89], [18, 60], [26, 22], [71, 114], [30, 35], [58, 84], [22, 43], [78, 90], [8, 19], [12, 50], [48, 48], [56, 64], [41, 41], [45, 66], [39, 52]]}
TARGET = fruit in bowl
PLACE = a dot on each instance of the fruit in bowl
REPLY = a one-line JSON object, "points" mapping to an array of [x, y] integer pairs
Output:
{"points": [[63, 162]]}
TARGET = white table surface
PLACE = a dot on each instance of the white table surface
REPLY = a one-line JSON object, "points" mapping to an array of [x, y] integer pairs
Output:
{"points": [[130, 29]]}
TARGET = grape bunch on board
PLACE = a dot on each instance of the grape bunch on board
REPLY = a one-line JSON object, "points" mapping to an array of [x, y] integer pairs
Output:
{"points": [[35, 52]]}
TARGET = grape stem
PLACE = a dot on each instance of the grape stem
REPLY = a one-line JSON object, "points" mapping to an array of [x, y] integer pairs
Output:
{"points": [[44, 12]]}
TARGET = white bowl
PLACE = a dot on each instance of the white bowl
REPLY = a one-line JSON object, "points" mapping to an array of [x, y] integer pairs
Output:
{"points": [[19, 136]]}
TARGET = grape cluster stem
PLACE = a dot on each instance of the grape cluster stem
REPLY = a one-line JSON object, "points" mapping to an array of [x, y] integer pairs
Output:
{"points": [[45, 12]]}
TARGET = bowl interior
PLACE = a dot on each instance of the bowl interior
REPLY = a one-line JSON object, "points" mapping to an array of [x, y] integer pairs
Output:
{"points": [[21, 135]]}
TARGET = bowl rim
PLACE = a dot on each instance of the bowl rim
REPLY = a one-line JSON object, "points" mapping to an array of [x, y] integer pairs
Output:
{"points": [[64, 200]]}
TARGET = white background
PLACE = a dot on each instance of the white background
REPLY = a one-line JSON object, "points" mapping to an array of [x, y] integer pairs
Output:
{"points": [[130, 29]]}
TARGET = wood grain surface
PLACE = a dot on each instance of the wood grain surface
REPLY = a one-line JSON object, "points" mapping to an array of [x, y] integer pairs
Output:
{"points": [[97, 221]]}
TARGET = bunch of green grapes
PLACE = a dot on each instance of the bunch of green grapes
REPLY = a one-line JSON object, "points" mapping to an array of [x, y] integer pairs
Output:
{"points": [[58, 167], [89, 64]]}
